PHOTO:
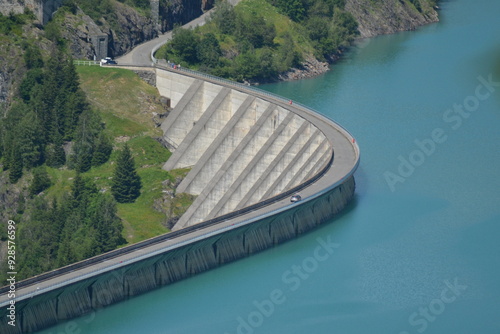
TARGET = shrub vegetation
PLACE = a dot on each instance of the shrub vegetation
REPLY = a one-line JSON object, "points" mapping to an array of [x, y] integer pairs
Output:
{"points": [[258, 39]]}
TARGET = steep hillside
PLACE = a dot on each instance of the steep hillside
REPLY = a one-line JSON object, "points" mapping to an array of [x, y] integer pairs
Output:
{"points": [[59, 148], [79, 25], [124, 23], [123, 27], [376, 17], [126, 105], [270, 40], [16, 32]]}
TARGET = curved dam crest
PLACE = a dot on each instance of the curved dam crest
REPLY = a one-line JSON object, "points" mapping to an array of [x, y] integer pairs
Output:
{"points": [[248, 151], [242, 149]]}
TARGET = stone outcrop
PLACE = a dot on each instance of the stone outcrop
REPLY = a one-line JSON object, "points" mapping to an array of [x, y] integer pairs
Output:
{"points": [[134, 29], [174, 12], [78, 30], [130, 29], [390, 16], [43, 9], [10, 72], [310, 67], [127, 27]]}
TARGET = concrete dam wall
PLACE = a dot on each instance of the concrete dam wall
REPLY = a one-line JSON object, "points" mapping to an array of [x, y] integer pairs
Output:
{"points": [[242, 149], [285, 149]]}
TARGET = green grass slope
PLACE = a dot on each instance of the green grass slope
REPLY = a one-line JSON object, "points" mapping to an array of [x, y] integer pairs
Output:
{"points": [[126, 104]]}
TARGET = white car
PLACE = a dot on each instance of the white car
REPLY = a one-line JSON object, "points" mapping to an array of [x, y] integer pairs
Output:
{"points": [[295, 198], [108, 60]]}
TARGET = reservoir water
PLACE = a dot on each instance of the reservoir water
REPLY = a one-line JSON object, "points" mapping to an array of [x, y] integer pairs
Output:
{"points": [[418, 250]]}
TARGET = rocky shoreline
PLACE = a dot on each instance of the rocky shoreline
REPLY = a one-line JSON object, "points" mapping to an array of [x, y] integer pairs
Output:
{"points": [[388, 17], [309, 68]]}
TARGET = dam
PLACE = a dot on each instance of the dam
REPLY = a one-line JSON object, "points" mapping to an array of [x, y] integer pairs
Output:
{"points": [[248, 152], [241, 149]]}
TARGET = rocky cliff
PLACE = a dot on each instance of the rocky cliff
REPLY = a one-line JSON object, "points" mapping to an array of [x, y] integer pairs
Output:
{"points": [[126, 27], [174, 12], [42, 9], [8, 72], [124, 30], [377, 17]]}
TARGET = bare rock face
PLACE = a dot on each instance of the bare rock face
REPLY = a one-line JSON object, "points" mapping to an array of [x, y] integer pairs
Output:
{"points": [[10, 71], [128, 27], [42, 9], [207, 4], [381, 17], [78, 30], [133, 29], [309, 68], [174, 12]]}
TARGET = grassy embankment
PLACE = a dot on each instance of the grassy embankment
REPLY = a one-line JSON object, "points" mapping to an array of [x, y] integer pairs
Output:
{"points": [[126, 103]]}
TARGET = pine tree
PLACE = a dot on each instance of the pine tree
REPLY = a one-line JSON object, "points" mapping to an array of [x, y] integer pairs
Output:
{"points": [[76, 104], [65, 255], [41, 103], [54, 154], [40, 182], [102, 150], [30, 140], [2, 136], [58, 216], [71, 83], [10, 123], [108, 226], [126, 186], [16, 165], [32, 56], [82, 190], [87, 132]]}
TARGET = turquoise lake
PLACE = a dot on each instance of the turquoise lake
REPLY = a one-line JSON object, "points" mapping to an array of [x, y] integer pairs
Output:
{"points": [[418, 250]]}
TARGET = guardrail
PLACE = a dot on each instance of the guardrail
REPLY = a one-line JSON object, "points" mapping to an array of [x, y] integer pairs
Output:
{"points": [[87, 62]]}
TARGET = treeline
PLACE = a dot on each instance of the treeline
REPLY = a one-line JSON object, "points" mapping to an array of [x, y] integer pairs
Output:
{"points": [[244, 45], [51, 112], [328, 26]]}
